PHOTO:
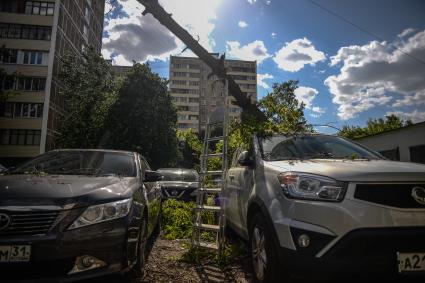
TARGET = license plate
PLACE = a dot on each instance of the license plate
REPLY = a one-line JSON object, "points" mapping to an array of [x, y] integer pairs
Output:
{"points": [[411, 262], [15, 253]]}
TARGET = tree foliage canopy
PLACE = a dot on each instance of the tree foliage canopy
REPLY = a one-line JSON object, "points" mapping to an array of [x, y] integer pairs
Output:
{"points": [[132, 112], [284, 113], [89, 90], [374, 126], [143, 118]]}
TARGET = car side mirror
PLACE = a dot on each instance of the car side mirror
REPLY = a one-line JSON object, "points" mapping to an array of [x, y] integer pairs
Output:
{"points": [[245, 159], [152, 176]]}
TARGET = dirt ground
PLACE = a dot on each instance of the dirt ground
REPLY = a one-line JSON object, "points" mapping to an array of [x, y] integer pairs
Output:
{"points": [[165, 265]]}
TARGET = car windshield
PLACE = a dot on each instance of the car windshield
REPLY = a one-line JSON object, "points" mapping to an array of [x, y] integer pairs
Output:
{"points": [[179, 175], [76, 162], [312, 147]]}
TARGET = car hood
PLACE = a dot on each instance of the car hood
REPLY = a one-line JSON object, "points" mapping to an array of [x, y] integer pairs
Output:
{"points": [[178, 184], [356, 170], [61, 190]]}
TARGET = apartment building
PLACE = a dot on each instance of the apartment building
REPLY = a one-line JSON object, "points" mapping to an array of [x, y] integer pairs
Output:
{"points": [[34, 35], [196, 92]]}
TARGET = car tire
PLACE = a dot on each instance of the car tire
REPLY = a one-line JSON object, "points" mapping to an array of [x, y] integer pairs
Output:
{"points": [[137, 271], [263, 252]]}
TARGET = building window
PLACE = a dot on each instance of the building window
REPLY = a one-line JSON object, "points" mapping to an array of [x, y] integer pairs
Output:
{"points": [[39, 8], [417, 153], [9, 56], [20, 137], [31, 84], [178, 82], [21, 110], [34, 57], [193, 83], [25, 32], [12, 6], [193, 100]]}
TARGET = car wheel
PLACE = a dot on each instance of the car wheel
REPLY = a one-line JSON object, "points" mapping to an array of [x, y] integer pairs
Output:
{"points": [[137, 271], [262, 251]]}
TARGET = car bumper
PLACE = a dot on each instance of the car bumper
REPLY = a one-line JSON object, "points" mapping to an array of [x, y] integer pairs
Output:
{"points": [[359, 253], [53, 257]]}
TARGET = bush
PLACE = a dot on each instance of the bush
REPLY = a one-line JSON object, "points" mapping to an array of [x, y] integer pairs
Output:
{"points": [[177, 217]]}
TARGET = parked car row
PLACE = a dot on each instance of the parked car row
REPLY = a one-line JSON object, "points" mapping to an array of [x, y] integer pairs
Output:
{"points": [[308, 205]]}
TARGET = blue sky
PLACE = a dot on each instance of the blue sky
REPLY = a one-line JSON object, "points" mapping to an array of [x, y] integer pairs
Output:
{"points": [[347, 74]]}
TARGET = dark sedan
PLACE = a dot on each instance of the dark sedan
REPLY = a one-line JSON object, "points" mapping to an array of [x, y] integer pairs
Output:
{"points": [[74, 214], [179, 183]]}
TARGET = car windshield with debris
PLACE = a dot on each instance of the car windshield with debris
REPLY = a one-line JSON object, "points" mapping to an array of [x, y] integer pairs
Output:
{"points": [[80, 162], [281, 147]]}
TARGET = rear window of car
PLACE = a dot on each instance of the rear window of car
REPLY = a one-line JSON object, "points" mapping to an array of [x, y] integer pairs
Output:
{"points": [[179, 175]]}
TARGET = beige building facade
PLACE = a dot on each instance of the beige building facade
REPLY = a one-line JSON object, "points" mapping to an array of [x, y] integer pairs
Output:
{"points": [[34, 35], [196, 92]]}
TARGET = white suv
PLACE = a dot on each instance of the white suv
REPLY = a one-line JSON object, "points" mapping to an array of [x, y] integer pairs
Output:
{"points": [[324, 206]]}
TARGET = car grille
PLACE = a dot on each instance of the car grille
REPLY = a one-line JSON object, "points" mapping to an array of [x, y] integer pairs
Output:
{"points": [[29, 222], [379, 242], [396, 195]]}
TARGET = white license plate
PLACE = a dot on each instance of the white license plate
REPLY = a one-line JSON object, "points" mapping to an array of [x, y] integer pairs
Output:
{"points": [[411, 262], [15, 253]]}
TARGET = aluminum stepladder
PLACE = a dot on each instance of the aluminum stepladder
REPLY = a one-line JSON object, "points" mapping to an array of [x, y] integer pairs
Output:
{"points": [[209, 198]]}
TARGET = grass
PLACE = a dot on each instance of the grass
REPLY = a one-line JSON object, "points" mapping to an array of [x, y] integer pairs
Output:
{"points": [[177, 217]]}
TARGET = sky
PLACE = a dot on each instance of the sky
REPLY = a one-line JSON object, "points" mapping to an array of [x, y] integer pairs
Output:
{"points": [[354, 60]]}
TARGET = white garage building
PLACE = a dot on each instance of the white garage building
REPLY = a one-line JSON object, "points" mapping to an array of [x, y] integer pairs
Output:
{"points": [[404, 144]]}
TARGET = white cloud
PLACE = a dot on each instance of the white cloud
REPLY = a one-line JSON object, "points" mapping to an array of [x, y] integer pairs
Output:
{"points": [[373, 74], [242, 24], [318, 109], [135, 37], [294, 55], [306, 95], [251, 1], [406, 32], [416, 116], [268, 2], [255, 50], [261, 78], [273, 35]]}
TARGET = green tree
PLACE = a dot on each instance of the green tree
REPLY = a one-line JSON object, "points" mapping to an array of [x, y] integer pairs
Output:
{"points": [[284, 115], [374, 126], [143, 118], [89, 91], [190, 147]]}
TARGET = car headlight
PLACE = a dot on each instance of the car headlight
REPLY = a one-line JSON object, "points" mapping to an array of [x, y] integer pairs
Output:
{"points": [[102, 212], [309, 186]]}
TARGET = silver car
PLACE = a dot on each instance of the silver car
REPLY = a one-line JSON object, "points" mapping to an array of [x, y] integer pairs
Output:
{"points": [[322, 206]]}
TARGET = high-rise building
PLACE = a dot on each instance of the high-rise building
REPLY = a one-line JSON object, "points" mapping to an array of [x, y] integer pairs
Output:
{"points": [[34, 35], [195, 91]]}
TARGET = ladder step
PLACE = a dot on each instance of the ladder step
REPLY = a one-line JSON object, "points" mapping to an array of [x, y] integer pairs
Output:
{"points": [[208, 207], [210, 190], [214, 139], [211, 155], [206, 245], [213, 172], [207, 227]]}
